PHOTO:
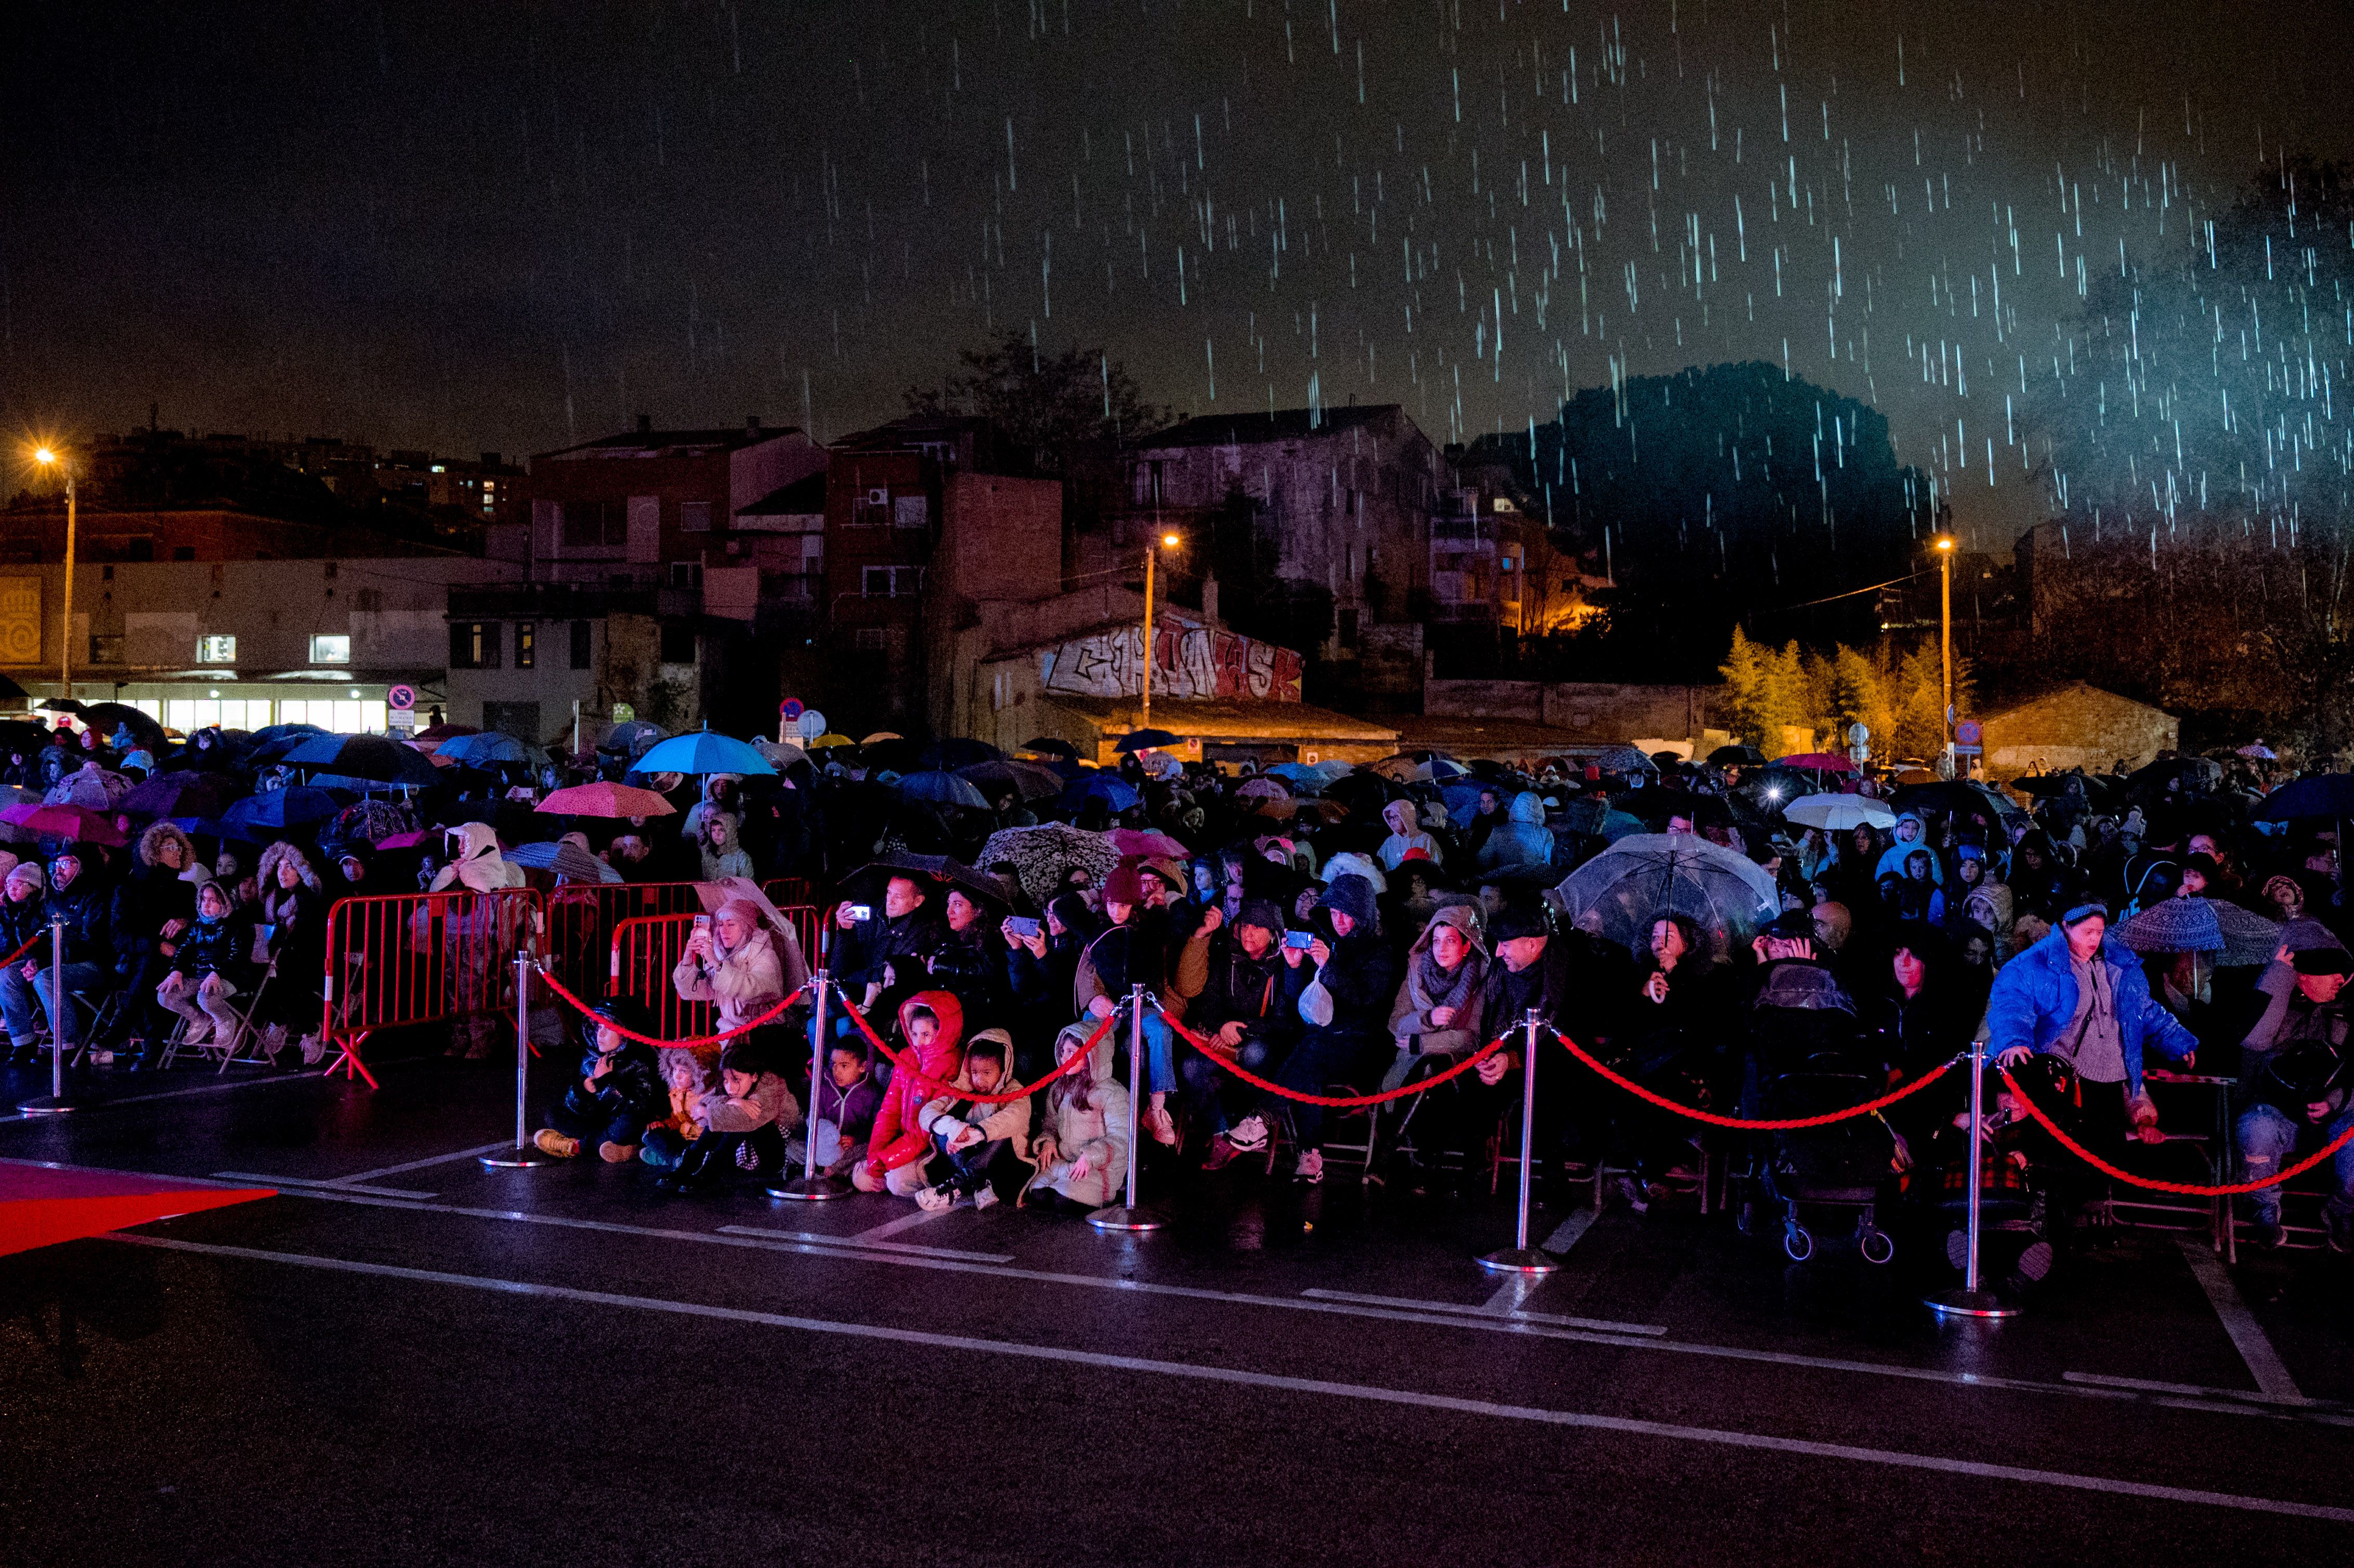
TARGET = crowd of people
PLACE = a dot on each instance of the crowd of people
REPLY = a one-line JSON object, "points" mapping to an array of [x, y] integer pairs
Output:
{"points": [[1331, 931]]}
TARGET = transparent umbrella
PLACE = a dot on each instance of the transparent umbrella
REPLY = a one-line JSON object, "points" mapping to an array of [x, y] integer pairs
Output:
{"points": [[1620, 892]]}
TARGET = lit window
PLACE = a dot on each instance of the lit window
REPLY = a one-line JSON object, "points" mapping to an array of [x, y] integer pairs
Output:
{"points": [[331, 650], [219, 648], [526, 645]]}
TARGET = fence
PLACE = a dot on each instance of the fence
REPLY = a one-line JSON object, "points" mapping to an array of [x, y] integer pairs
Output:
{"points": [[645, 949], [420, 957], [581, 920]]}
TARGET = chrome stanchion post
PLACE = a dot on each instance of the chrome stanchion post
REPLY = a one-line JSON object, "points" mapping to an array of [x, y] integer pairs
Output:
{"points": [[808, 1186], [1132, 1216], [525, 1153], [1520, 1258], [56, 1102], [1971, 1301]]}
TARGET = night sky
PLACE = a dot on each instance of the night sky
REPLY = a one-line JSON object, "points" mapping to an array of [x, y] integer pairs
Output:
{"points": [[491, 226]]}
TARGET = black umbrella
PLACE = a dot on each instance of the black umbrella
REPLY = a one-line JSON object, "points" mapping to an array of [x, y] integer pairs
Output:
{"points": [[958, 752], [870, 877], [2315, 795], [370, 757], [898, 755], [11, 692], [1956, 798], [1146, 739], [23, 734], [1048, 746], [104, 717], [1737, 757], [182, 794]]}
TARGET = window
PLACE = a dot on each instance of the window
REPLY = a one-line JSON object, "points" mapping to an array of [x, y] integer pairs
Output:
{"points": [[677, 644], [141, 548], [695, 517], [891, 582], [594, 524], [871, 640], [580, 645], [105, 650], [686, 575], [331, 650], [526, 645], [1148, 475], [871, 507], [473, 645], [219, 648], [184, 552], [909, 511]]}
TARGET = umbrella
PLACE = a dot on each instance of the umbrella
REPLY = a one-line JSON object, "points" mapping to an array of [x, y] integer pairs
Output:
{"points": [[106, 717], [567, 860], [882, 734], [1027, 781], [410, 840], [1737, 757], [1625, 759], [1044, 857], [487, 748], [829, 740], [90, 786], [1819, 761], [702, 752], [1262, 790], [1284, 808], [2149, 783], [603, 800], [1147, 842], [1838, 813], [1048, 746], [2174, 926], [364, 756], [1331, 767], [1297, 773], [1114, 791], [22, 735], [1462, 801], [2248, 936], [280, 809], [445, 730], [631, 736], [10, 692], [2315, 795], [958, 753], [2257, 751], [63, 823], [1620, 892], [1146, 739], [781, 754], [272, 732], [1957, 797], [181, 795], [938, 867], [943, 789], [371, 820]]}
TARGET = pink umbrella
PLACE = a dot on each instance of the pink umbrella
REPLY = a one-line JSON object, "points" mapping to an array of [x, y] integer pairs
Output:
{"points": [[406, 840], [1145, 842], [604, 799], [1819, 761], [77, 822]]}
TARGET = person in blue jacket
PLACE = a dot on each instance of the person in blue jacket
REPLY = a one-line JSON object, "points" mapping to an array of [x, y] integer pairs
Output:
{"points": [[2080, 995]]}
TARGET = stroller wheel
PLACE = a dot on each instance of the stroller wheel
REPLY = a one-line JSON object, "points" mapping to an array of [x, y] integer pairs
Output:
{"points": [[1797, 1243], [1877, 1246]]}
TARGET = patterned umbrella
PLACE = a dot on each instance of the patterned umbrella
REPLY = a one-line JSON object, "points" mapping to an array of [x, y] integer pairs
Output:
{"points": [[1044, 857], [1620, 892]]}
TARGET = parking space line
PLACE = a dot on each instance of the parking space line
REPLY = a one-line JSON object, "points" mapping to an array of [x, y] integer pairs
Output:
{"points": [[1664, 1431], [473, 1154], [298, 1181], [2247, 1335], [865, 1245], [231, 1085], [2198, 1391], [904, 1223], [1516, 1290], [1600, 1325]]}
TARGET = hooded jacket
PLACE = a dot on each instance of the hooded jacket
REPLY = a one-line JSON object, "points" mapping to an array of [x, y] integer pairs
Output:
{"points": [[1086, 1115], [1523, 840], [771, 1100], [898, 1138], [852, 1110], [297, 915], [631, 1085], [213, 944], [2034, 1004], [1426, 987], [947, 1112], [479, 866], [744, 982], [87, 910], [1361, 974], [1893, 857], [1256, 992], [1405, 833]]}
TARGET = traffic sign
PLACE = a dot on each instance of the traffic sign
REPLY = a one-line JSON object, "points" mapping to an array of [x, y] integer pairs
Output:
{"points": [[1856, 734], [400, 699], [1968, 734], [812, 724], [789, 708]]}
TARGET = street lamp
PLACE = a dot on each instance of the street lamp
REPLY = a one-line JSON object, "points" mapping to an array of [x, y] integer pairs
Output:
{"points": [[1166, 542], [1946, 624], [49, 459]]}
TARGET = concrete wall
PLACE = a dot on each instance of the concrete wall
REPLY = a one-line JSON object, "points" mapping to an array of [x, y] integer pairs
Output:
{"points": [[1001, 538], [1600, 713], [2078, 725]]}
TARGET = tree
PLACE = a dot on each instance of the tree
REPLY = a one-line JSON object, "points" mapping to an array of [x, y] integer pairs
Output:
{"points": [[1050, 405], [1742, 700]]}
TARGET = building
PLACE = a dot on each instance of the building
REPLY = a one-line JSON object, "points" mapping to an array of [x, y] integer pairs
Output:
{"points": [[2075, 725]]}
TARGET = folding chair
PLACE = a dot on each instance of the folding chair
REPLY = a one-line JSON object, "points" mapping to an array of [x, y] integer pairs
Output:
{"points": [[239, 1037]]}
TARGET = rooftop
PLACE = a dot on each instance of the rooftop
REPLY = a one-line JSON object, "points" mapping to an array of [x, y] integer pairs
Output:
{"points": [[645, 441], [804, 497], [1284, 425]]}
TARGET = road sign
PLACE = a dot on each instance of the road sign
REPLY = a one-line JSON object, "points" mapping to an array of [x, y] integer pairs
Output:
{"points": [[400, 699], [1856, 734], [789, 708], [812, 724], [1961, 750], [1968, 734]]}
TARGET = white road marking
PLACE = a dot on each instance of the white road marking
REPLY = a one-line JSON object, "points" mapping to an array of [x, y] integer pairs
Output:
{"points": [[904, 1223], [109, 1104], [474, 1153], [2196, 1390], [1515, 1291], [251, 1178], [875, 1245], [1601, 1325], [1665, 1431], [2247, 1335]]}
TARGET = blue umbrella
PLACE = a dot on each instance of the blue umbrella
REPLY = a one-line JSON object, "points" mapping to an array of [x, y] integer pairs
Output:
{"points": [[280, 810], [484, 751], [702, 752], [1108, 788], [1462, 802], [943, 788], [1298, 773]]}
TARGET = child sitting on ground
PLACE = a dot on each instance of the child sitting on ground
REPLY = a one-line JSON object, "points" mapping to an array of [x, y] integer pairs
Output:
{"points": [[932, 1023], [847, 1100], [1081, 1150], [969, 1136], [739, 1127], [616, 1093]]}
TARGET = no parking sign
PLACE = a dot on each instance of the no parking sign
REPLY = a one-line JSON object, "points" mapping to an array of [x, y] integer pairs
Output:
{"points": [[401, 699]]}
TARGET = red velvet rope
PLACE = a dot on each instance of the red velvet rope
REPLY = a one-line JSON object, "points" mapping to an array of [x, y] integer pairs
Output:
{"points": [[603, 1023], [2184, 1188], [899, 1064], [23, 948], [1780, 1124], [1219, 1055]]}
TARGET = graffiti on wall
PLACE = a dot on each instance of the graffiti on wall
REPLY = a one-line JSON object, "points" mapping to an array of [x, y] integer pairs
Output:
{"points": [[20, 621], [1188, 662]]}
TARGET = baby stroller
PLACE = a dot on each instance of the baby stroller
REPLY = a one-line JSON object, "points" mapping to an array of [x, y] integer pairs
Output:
{"points": [[1844, 1165]]}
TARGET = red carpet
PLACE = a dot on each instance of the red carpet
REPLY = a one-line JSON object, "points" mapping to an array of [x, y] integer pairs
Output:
{"points": [[39, 1207]]}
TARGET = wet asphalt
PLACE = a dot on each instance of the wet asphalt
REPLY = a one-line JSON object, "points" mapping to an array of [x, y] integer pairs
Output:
{"points": [[448, 1364]]}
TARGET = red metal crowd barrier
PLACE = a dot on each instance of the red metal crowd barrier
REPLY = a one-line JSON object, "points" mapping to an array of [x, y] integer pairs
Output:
{"points": [[581, 920], [420, 957], [645, 949]]}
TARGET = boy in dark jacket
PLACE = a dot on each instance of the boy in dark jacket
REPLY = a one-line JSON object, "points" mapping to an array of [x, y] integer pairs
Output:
{"points": [[617, 1092], [1247, 1009]]}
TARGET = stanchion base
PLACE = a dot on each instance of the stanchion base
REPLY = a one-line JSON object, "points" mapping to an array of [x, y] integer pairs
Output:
{"points": [[1122, 1217], [522, 1159], [1518, 1260], [55, 1105], [812, 1188], [1960, 1303]]}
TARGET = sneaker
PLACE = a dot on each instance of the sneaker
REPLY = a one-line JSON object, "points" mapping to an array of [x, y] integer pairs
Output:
{"points": [[198, 1034], [1162, 1125], [1249, 1136], [616, 1153], [935, 1199], [313, 1050], [1310, 1168], [1222, 1154], [102, 1058], [551, 1142], [984, 1196], [2034, 1262], [2267, 1233]]}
